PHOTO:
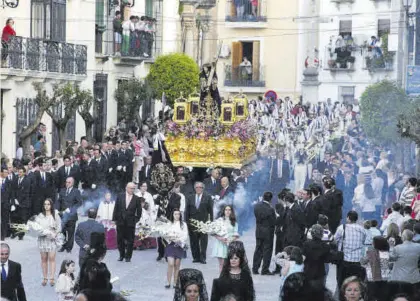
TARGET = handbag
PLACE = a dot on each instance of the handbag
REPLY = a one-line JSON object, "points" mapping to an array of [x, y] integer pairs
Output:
{"points": [[337, 257]]}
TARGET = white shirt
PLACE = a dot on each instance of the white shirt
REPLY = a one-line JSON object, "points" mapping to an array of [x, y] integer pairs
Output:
{"points": [[394, 217], [182, 205], [105, 210]]}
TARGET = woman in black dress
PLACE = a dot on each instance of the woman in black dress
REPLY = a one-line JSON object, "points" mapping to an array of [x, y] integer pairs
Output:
{"points": [[235, 278]]}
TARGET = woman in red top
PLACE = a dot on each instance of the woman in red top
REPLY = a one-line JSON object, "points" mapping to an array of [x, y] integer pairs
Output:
{"points": [[8, 31]]}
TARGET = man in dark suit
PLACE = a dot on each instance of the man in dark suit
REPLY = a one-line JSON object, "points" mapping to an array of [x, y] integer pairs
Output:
{"points": [[102, 166], [23, 200], [89, 171], [294, 222], [11, 277], [125, 160], [311, 208], [43, 188], [65, 171], [146, 171], [69, 200], [332, 203], [7, 197], [279, 172], [325, 164], [83, 234], [127, 213], [280, 215], [226, 190], [265, 217], [348, 185], [212, 184], [199, 206]]}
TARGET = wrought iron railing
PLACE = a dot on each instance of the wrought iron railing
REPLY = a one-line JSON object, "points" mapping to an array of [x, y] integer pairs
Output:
{"points": [[250, 11], [376, 60], [44, 55], [244, 76]]}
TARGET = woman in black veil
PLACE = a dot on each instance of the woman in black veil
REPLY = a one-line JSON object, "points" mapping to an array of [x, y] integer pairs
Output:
{"points": [[190, 286]]}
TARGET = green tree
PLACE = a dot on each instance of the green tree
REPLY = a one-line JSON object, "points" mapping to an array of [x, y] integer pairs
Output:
{"points": [[380, 105], [130, 95], [85, 100], [173, 74], [409, 126]]}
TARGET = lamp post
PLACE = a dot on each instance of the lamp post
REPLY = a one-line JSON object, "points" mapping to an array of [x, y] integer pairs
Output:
{"points": [[10, 3], [407, 4]]}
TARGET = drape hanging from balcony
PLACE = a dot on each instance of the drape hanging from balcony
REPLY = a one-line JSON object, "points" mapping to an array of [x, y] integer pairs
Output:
{"points": [[149, 8]]}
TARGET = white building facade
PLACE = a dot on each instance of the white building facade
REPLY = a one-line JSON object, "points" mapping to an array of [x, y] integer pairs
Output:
{"points": [[61, 41], [349, 58]]}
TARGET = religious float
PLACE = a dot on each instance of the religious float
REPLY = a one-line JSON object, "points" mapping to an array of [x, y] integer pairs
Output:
{"points": [[199, 136]]}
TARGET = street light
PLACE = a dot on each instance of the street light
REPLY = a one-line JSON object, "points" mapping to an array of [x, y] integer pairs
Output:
{"points": [[10, 3]]}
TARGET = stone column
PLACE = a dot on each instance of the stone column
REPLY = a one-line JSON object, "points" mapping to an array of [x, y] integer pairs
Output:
{"points": [[189, 38], [206, 54], [310, 85]]}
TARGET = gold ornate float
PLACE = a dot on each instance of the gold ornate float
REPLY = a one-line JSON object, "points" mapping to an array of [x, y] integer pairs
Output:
{"points": [[199, 136]]}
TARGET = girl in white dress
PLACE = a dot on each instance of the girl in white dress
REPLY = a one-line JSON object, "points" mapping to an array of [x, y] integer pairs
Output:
{"points": [[65, 281], [50, 225]]}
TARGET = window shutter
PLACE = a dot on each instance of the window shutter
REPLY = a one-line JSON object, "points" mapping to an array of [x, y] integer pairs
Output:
{"points": [[99, 15], [149, 8], [256, 60], [236, 59]]}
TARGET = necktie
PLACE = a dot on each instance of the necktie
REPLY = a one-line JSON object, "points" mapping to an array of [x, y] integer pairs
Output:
{"points": [[197, 201], [68, 191], [214, 182], [20, 181], [2, 184], [43, 177], [67, 171], [3, 272]]}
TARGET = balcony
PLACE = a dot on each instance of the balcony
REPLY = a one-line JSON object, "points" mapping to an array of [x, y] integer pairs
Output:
{"points": [[206, 4], [44, 59], [342, 1], [251, 15], [340, 59], [132, 49], [244, 77], [378, 63]]}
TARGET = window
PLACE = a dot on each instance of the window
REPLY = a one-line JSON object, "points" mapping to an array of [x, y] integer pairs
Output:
{"points": [[346, 94], [48, 19], [99, 24], [149, 8], [384, 27], [345, 28]]}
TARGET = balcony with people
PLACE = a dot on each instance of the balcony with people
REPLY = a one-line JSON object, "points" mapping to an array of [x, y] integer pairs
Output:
{"points": [[377, 57], [340, 54], [22, 56], [132, 41], [245, 75], [246, 13]]}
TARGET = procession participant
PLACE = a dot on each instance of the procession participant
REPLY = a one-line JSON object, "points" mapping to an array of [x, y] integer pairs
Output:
{"points": [[265, 219], [175, 250], [69, 200], [199, 206], [50, 225], [127, 213], [220, 247]]}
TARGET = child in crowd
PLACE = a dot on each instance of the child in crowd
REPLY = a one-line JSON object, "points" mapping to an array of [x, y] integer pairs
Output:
{"points": [[327, 235], [65, 282], [374, 228]]}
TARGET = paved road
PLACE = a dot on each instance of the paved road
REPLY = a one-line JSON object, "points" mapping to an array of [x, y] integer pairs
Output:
{"points": [[143, 275]]}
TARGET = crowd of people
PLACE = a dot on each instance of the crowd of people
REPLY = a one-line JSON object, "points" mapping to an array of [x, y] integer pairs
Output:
{"points": [[133, 37], [319, 194]]}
